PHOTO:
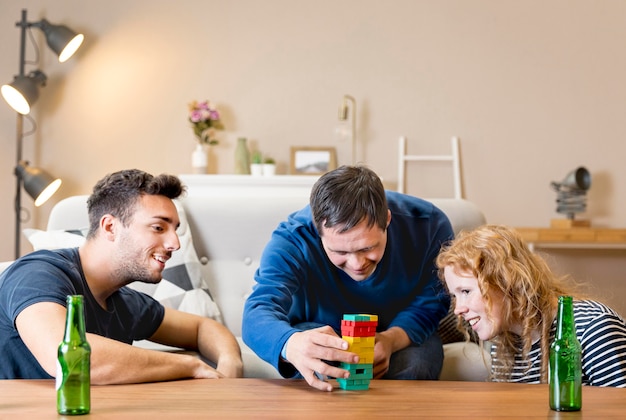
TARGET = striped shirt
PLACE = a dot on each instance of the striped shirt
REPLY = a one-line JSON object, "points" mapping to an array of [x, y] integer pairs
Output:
{"points": [[602, 335]]}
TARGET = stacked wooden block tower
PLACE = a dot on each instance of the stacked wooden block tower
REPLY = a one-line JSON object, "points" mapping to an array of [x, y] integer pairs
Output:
{"points": [[359, 330]]}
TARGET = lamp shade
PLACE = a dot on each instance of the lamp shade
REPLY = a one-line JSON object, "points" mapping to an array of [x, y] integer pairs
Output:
{"points": [[23, 92], [39, 184], [579, 179], [61, 39]]}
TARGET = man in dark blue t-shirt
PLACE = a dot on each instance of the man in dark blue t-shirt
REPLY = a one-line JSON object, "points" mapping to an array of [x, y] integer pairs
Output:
{"points": [[132, 234]]}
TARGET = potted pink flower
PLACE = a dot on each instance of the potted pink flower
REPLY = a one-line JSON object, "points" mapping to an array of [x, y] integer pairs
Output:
{"points": [[204, 119]]}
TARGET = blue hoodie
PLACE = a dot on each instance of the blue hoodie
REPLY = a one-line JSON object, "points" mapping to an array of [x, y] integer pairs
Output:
{"points": [[296, 282]]}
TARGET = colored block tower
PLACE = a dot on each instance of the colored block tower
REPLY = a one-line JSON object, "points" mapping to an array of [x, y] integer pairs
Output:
{"points": [[359, 330]]}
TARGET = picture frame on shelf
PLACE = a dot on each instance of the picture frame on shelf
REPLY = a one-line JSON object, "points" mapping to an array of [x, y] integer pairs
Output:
{"points": [[312, 160]]}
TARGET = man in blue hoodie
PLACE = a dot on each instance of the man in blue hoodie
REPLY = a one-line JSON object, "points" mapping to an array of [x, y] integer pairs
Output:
{"points": [[355, 249]]}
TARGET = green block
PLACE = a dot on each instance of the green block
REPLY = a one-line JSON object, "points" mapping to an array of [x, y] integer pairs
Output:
{"points": [[353, 385], [356, 317], [358, 371]]}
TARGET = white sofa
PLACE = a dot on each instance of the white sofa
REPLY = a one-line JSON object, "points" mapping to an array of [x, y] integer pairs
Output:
{"points": [[230, 224]]}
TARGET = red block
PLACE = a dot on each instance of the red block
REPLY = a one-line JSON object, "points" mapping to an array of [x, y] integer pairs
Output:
{"points": [[355, 331], [359, 323]]}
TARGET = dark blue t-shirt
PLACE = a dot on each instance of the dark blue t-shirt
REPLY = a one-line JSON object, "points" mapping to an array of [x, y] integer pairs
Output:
{"points": [[49, 276]]}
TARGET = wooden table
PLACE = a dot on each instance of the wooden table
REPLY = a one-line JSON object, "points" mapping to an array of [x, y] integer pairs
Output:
{"points": [[294, 399], [576, 237]]}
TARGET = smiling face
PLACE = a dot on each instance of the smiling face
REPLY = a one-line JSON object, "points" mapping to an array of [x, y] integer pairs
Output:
{"points": [[357, 251], [470, 303], [145, 245]]}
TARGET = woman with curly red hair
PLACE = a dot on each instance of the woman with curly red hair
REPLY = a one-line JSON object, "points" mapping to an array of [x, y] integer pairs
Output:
{"points": [[508, 295]]}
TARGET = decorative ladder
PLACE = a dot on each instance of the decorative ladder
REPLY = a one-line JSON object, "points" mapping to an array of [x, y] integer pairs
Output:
{"points": [[453, 158]]}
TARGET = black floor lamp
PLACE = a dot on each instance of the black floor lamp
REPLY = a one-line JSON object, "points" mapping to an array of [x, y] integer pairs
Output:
{"points": [[21, 94]]}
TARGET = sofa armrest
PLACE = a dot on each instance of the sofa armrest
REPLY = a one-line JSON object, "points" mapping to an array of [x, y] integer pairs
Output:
{"points": [[463, 214]]}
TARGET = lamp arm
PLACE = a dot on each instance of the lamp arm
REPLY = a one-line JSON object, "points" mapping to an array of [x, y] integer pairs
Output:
{"points": [[18, 185], [18, 214], [23, 25]]}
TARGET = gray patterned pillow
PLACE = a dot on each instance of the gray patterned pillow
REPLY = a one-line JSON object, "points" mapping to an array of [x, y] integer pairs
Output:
{"points": [[183, 286]]}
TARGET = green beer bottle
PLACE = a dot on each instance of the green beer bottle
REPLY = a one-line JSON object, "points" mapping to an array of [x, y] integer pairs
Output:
{"points": [[74, 362], [565, 371]]}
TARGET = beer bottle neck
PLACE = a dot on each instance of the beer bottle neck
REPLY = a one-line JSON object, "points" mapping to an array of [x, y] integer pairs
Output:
{"points": [[565, 318], [75, 320]]}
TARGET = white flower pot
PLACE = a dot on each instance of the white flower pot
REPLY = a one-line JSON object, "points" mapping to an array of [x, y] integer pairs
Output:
{"points": [[256, 169], [269, 169]]}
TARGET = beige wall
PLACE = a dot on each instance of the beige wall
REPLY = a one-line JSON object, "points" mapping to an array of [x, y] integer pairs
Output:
{"points": [[533, 89]]}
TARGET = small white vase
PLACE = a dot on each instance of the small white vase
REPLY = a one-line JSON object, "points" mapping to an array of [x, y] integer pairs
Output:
{"points": [[256, 169], [199, 159]]}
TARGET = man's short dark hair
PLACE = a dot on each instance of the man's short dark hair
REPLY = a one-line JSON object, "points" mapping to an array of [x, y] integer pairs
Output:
{"points": [[117, 194], [344, 197]]}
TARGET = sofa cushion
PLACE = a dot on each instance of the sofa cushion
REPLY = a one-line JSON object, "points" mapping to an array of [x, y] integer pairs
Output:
{"points": [[43, 239], [465, 361], [183, 286]]}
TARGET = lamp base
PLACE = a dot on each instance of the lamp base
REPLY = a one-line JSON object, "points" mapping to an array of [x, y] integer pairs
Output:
{"points": [[569, 223]]}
